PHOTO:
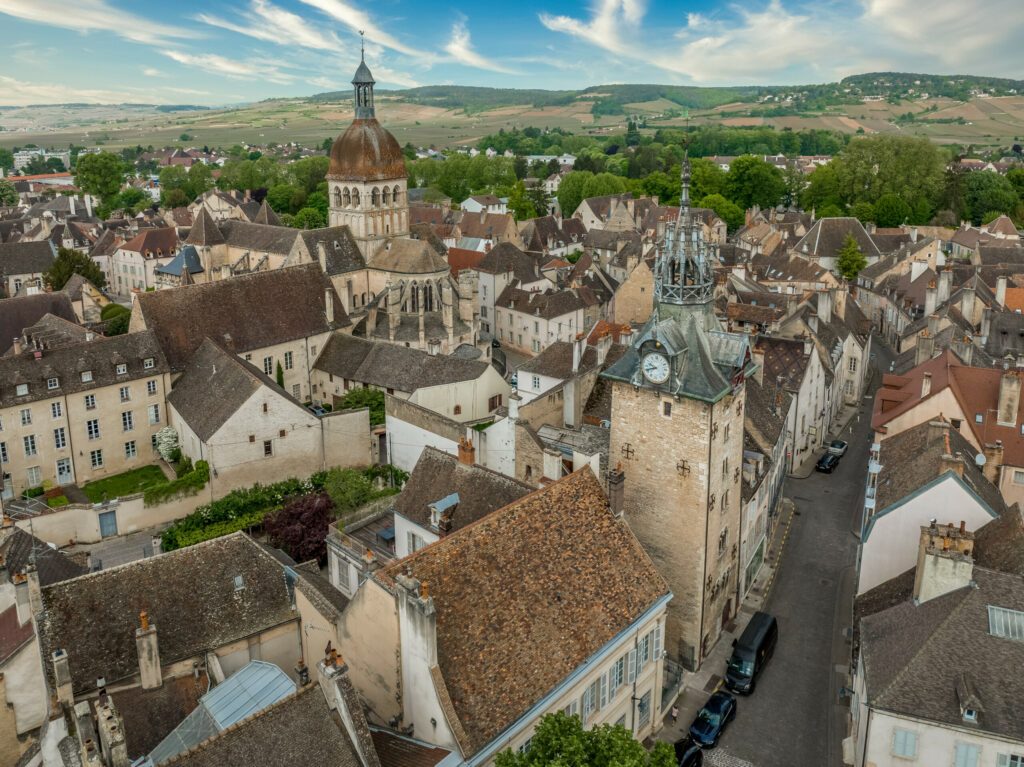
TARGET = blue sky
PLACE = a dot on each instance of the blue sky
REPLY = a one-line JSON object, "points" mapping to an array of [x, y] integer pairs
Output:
{"points": [[227, 51]]}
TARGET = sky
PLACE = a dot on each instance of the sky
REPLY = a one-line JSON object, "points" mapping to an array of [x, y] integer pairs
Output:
{"points": [[231, 51]]}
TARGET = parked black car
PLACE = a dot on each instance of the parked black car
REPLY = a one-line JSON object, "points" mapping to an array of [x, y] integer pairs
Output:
{"points": [[751, 652], [711, 720], [688, 753], [827, 463]]}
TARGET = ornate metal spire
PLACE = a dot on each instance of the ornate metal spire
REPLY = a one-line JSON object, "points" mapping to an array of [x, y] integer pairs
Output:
{"points": [[363, 83]]}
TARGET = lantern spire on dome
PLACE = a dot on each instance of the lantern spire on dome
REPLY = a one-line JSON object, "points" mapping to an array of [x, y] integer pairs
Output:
{"points": [[363, 83]]}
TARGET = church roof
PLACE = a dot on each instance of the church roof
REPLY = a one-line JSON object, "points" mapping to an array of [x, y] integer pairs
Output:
{"points": [[408, 257], [366, 152]]}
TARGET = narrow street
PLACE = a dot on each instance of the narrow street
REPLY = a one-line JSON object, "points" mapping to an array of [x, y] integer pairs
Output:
{"points": [[796, 716]]}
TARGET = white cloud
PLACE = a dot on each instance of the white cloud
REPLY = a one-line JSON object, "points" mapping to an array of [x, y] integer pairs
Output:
{"points": [[90, 16], [268, 22], [460, 48], [20, 93], [358, 20], [152, 72], [605, 25], [219, 65]]}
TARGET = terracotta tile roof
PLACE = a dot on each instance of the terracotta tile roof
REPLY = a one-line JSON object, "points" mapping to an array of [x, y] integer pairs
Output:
{"points": [[902, 393], [154, 242], [190, 596], [527, 595], [395, 750], [1002, 225], [244, 313], [1015, 299], [12, 635]]}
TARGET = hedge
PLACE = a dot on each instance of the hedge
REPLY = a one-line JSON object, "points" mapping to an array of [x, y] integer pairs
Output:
{"points": [[187, 484]]}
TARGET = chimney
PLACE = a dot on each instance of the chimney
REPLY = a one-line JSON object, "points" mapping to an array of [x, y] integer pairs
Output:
{"points": [[967, 304], [825, 305], [35, 593], [926, 385], [62, 677], [945, 285], [944, 561], [930, 296], [88, 205], [993, 461], [149, 654], [321, 252], [21, 598], [963, 347], [579, 345], [17, 346], [329, 304], [1009, 397], [467, 452], [986, 323], [111, 733], [950, 462], [925, 348], [616, 491], [808, 346], [513, 406], [913, 234], [552, 464], [757, 354], [812, 322], [1001, 291]]}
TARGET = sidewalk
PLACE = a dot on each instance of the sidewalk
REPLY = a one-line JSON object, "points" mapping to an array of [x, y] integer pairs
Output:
{"points": [[843, 423], [698, 686]]}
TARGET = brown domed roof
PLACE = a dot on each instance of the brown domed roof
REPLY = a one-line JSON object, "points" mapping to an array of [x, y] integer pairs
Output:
{"points": [[366, 152]]}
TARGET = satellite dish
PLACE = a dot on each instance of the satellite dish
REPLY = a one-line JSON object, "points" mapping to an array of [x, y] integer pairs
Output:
{"points": [[979, 460]]}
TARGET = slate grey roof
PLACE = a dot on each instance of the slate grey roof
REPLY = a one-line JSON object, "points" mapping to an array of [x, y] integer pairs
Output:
{"points": [[26, 257], [408, 257], [1006, 335], [67, 363], [266, 215], [204, 231], [556, 361], [437, 475], [214, 385], [52, 565], [548, 304], [766, 407], [259, 238], [22, 312], [340, 250], [826, 237], [189, 594], [247, 312], [506, 257], [186, 258], [390, 366], [300, 730], [915, 656]]}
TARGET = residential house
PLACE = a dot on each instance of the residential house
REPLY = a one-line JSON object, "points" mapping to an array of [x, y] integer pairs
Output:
{"points": [[925, 473], [484, 203], [88, 300], [504, 265], [133, 265], [22, 312], [22, 264], [825, 238], [430, 659], [250, 430], [544, 236], [595, 212], [283, 317], [531, 320], [80, 411], [493, 228]]}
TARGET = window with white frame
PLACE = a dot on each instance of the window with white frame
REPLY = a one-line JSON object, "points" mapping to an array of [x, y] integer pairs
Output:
{"points": [[121, 369], [92, 428], [21, 390], [29, 443], [60, 439], [96, 458], [154, 414], [966, 755], [126, 393], [127, 421], [525, 746], [86, 376], [26, 417], [151, 387], [904, 743], [643, 708], [34, 476], [535, 381], [268, 365], [52, 383], [590, 700], [56, 410], [130, 451], [287, 360], [572, 709], [414, 542], [90, 401], [148, 363], [853, 365], [643, 653], [1009, 760], [616, 675]]}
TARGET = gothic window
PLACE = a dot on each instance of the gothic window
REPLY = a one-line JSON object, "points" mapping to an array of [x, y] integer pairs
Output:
{"points": [[337, 197], [347, 197], [394, 195], [355, 197], [385, 195], [375, 198]]}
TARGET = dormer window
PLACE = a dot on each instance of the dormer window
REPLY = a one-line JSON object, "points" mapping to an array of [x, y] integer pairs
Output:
{"points": [[52, 383], [21, 390], [86, 376], [239, 583], [122, 369], [970, 716], [148, 363], [979, 418]]}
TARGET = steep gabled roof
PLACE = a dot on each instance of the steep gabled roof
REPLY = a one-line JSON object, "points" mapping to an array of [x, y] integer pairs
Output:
{"points": [[26, 257]]}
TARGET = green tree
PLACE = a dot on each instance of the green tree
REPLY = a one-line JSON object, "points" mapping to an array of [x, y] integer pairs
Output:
{"points": [[8, 194], [603, 184], [174, 198], [318, 201], [70, 262], [705, 178], [891, 210], [751, 181], [348, 489], [174, 178], [131, 199], [822, 189], [570, 191], [308, 172], [519, 205], [731, 213], [871, 167], [851, 260], [539, 198], [562, 741], [6, 159], [863, 211], [200, 179], [279, 375], [360, 398], [280, 197], [1015, 176], [988, 191], [830, 211], [308, 218], [116, 324], [184, 137], [100, 174]]}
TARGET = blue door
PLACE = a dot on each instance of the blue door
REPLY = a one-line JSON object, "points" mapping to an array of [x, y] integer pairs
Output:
{"points": [[108, 524]]}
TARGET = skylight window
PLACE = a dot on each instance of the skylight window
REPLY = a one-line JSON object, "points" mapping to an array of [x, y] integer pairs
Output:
{"points": [[1005, 623]]}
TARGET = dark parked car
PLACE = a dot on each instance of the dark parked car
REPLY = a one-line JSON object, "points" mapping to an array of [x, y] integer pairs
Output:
{"points": [[751, 652], [688, 753], [827, 463], [711, 720]]}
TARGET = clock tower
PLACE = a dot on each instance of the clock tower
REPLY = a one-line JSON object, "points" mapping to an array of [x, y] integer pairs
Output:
{"points": [[677, 433]]}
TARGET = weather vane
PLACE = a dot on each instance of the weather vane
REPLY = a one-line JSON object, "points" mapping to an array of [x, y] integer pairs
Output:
{"points": [[362, 45]]}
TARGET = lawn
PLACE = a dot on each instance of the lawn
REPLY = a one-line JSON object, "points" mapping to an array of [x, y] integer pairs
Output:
{"points": [[128, 483]]}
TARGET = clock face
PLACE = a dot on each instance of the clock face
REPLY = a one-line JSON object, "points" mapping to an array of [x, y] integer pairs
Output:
{"points": [[655, 368]]}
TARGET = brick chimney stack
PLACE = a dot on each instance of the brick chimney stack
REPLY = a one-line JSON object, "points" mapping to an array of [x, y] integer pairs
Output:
{"points": [[1009, 396], [944, 561], [467, 452], [616, 491], [149, 653]]}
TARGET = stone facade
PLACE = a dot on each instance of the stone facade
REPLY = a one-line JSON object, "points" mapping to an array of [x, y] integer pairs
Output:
{"points": [[682, 499]]}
